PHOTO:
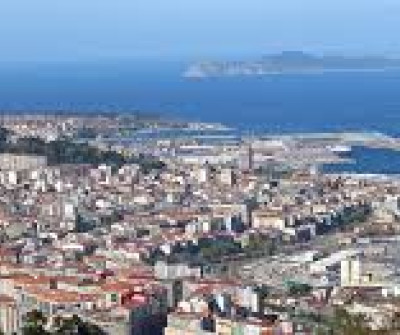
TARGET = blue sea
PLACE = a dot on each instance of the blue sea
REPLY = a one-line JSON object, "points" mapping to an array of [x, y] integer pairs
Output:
{"points": [[358, 101]]}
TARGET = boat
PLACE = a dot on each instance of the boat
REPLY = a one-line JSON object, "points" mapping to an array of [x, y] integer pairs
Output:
{"points": [[340, 149]]}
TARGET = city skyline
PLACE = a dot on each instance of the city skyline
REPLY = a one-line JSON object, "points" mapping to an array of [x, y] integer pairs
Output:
{"points": [[205, 167]]}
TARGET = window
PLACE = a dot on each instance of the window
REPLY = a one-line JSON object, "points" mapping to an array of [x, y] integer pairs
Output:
{"points": [[114, 297]]}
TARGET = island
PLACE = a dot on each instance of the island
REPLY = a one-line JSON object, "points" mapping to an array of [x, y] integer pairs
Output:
{"points": [[289, 62]]}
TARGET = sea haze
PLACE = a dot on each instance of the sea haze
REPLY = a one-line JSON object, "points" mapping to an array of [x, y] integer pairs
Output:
{"points": [[274, 103]]}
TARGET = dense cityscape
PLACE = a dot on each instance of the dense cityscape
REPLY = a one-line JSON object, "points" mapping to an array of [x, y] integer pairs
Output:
{"points": [[116, 224], [199, 167]]}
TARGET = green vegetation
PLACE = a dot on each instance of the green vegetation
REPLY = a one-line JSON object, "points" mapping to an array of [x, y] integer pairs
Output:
{"points": [[298, 289], [35, 324], [356, 215], [218, 249], [344, 323], [69, 152], [259, 246], [75, 325], [215, 249]]}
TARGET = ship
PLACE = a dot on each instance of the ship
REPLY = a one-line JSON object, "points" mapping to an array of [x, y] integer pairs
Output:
{"points": [[340, 149]]}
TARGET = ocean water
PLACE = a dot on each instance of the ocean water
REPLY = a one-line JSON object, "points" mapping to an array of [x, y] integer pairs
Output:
{"points": [[368, 160], [361, 101], [277, 103]]}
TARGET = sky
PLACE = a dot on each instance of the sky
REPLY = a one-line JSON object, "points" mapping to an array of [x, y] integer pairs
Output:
{"points": [[94, 30]]}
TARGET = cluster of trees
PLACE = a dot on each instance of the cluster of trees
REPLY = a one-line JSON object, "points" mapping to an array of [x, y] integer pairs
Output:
{"points": [[35, 324], [69, 152], [214, 250], [257, 246], [260, 245], [356, 215], [344, 323], [341, 323], [298, 289]]}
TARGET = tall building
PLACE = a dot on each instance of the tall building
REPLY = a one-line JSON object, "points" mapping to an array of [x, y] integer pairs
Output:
{"points": [[9, 321], [246, 157], [226, 176], [350, 272]]}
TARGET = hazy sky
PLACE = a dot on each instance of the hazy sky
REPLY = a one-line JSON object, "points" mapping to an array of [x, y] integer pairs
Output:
{"points": [[40, 30]]}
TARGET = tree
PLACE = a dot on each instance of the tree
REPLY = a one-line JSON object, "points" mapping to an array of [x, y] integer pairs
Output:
{"points": [[297, 289], [259, 245], [35, 323], [66, 151], [344, 323], [75, 325]]}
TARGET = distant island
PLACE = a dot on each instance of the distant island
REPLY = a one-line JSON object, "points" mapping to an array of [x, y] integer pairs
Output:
{"points": [[289, 62]]}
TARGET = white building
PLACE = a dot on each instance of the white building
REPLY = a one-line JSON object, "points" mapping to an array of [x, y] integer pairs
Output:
{"points": [[350, 272], [21, 162]]}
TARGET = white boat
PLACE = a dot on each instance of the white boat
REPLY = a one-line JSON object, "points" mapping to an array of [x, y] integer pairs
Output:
{"points": [[340, 149]]}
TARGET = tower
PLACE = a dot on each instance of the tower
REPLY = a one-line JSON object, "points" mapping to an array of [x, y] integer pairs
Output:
{"points": [[246, 157]]}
